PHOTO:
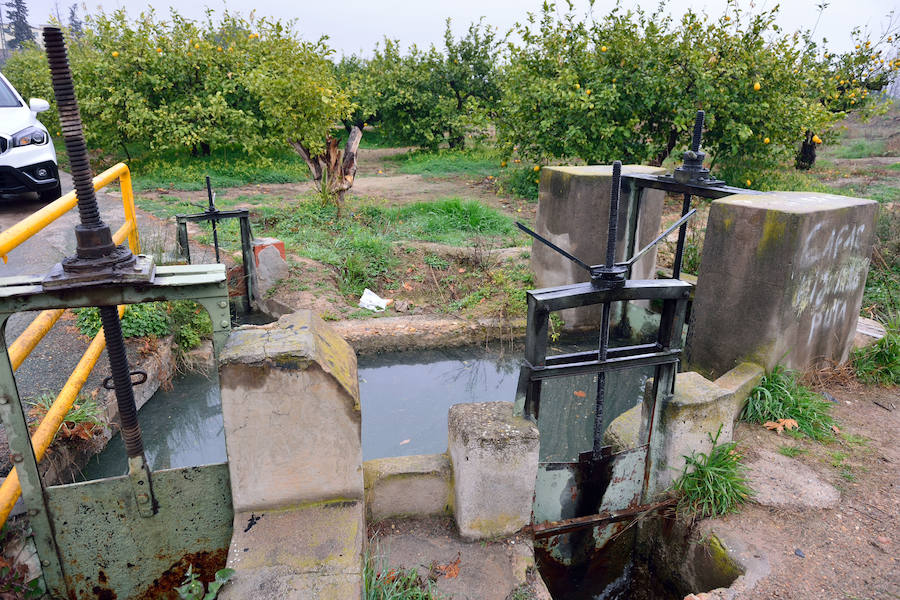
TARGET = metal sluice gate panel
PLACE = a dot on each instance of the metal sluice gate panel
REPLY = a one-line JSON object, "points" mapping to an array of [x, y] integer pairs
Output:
{"points": [[579, 488], [129, 536]]}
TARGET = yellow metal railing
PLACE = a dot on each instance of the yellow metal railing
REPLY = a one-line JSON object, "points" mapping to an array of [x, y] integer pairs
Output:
{"points": [[35, 332]]}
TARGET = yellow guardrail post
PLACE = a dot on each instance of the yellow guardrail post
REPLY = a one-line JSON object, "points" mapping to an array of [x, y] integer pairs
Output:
{"points": [[19, 350]]}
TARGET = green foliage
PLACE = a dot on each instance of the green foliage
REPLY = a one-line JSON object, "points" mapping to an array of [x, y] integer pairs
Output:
{"points": [[139, 320], [780, 396], [859, 149], [180, 84], [519, 181], [759, 176], [189, 323], [631, 82], [790, 451], [454, 215], [436, 262], [192, 588], [423, 97], [880, 363], [714, 484], [383, 583], [84, 409]]}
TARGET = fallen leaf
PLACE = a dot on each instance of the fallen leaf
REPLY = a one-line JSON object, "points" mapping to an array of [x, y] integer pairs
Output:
{"points": [[789, 424], [835, 429], [773, 425], [407, 286], [580, 393], [450, 570], [461, 270]]}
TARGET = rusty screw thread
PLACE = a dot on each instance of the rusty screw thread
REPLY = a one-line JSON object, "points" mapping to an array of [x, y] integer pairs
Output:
{"points": [[70, 121], [614, 214], [98, 239], [698, 131]]}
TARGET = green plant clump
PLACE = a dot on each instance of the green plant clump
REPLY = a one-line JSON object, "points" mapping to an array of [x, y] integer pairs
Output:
{"points": [[192, 588], [139, 320], [780, 396], [382, 583], [190, 323], [711, 485], [880, 363]]}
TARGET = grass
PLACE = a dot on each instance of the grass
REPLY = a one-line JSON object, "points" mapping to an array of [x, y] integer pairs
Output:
{"points": [[780, 396], [767, 179], [383, 583], [360, 246], [858, 148], [714, 484], [791, 451], [519, 181], [879, 364], [84, 409], [477, 161]]}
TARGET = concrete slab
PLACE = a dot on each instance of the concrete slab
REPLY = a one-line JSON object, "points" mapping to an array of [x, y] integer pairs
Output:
{"points": [[309, 552], [408, 486], [492, 570], [783, 482]]}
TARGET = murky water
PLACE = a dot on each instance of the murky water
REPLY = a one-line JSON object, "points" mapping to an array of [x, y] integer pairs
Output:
{"points": [[405, 397]]}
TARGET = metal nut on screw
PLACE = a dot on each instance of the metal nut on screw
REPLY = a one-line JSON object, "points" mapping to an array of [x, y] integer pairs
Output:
{"points": [[224, 323], [32, 512], [17, 457], [223, 304], [4, 399], [143, 498], [45, 562]]}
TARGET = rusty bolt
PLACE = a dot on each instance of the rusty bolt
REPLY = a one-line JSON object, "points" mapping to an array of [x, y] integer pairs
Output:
{"points": [[45, 562], [4, 399], [143, 498], [224, 323], [223, 304], [33, 512], [17, 457]]}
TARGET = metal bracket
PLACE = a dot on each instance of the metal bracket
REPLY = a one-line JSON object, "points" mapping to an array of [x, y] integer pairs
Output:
{"points": [[142, 486]]}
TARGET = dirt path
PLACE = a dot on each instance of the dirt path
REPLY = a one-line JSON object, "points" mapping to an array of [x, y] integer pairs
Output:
{"points": [[843, 553]]}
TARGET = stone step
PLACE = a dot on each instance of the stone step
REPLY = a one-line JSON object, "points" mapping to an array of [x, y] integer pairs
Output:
{"points": [[311, 552]]}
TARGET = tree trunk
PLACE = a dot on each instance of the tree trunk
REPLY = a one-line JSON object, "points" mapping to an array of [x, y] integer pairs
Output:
{"points": [[806, 157], [338, 168]]}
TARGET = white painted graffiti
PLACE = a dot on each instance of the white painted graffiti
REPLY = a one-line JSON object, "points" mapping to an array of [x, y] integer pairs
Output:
{"points": [[826, 244]]}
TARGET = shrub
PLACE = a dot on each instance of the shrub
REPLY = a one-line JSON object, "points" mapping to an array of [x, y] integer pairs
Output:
{"points": [[711, 485], [139, 320]]}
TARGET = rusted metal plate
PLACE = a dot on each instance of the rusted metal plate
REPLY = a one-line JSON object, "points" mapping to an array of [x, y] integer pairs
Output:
{"points": [[109, 551]]}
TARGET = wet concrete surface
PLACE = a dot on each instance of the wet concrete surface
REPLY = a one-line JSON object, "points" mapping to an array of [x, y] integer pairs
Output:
{"points": [[48, 367]]}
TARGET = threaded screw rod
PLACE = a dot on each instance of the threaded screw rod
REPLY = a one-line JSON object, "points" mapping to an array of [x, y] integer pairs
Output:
{"points": [[698, 131], [613, 214], [121, 374]]}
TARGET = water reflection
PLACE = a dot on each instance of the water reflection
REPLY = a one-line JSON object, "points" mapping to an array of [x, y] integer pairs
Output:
{"points": [[182, 427]]}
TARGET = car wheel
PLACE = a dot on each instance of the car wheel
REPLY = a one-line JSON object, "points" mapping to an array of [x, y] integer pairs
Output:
{"points": [[51, 195]]}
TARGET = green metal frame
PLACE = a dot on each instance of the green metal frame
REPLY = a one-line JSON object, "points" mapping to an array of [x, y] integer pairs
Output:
{"points": [[71, 523]]}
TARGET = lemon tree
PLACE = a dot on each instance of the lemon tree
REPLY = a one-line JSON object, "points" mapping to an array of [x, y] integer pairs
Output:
{"points": [[627, 85]]}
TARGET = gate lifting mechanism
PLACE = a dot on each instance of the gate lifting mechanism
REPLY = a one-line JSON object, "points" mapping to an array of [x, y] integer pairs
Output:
{"points": [[112, 537], [214, 215], [614, 487]]}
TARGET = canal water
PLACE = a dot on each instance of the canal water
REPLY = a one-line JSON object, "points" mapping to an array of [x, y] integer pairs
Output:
{"points": [[404, 396]]}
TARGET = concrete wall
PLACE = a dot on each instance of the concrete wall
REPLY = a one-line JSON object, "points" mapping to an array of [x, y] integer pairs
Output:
{"points": [[781, 280], [408, 486], [573, 213]]}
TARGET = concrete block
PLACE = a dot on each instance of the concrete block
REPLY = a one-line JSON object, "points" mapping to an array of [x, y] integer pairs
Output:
{"points": [[739, 382], [258, 244], [573, 213], [868, 331], [494, 456], [696, 410], [270, 268], [408, 486], [311, 552], [290, 402], [781, 280]]}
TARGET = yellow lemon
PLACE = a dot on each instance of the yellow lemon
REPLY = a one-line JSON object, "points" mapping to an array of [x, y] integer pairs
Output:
{"points": [[603, 48], [766, 141], [756, 86], [588, 92], [748, 183], [537, 168], [577, 86], [159, 49], [503, 164], [219, 48], [115, 53], [196, 46], [537, 180], [816, 139]]}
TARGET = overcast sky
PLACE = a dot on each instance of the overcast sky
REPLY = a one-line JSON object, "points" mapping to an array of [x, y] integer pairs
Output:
{"points": [[355, 26]]}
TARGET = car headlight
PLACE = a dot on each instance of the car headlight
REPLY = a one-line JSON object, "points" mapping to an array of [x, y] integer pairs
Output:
{"points": [[31, 136]]}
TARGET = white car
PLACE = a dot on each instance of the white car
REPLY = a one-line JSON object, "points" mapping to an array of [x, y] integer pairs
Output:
{"points": [[27, 156]]}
